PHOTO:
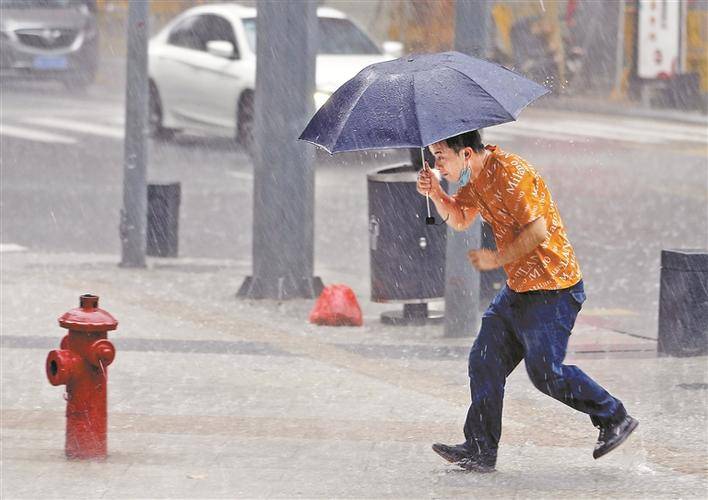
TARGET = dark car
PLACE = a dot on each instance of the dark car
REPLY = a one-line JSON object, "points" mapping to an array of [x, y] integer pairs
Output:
{"points": [[52, 39]]}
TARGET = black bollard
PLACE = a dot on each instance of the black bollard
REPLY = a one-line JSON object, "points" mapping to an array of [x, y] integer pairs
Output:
{"points": [[163, 219], [683, 303]]}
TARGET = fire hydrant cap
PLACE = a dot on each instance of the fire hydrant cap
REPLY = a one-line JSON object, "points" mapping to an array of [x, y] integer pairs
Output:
{"points": [[88, 317]]}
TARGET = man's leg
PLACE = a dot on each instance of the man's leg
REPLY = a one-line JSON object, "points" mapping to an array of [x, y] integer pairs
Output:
{"points": [[543, 324], [494, 355]]}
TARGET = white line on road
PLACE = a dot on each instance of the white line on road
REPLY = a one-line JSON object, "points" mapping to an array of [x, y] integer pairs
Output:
{"points": [[79, 126], [11, 247], [116, 120], [240, 175], [34, 135]]}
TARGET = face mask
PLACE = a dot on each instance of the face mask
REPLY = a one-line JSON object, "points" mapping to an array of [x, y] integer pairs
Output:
{"points": [[464, 176]]}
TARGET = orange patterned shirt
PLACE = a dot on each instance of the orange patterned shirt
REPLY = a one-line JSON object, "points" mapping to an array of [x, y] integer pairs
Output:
{"points": [[510, 194]]}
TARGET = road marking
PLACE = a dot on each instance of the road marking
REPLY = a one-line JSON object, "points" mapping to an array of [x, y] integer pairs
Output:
{"points": [[34, 135], [11, 247], [116, 120], [240, 175], [79, 126], [577, 130]]}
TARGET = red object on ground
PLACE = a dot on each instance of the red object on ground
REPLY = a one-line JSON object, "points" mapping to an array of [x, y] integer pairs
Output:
{"points": [[81, 364], [337, 306]]}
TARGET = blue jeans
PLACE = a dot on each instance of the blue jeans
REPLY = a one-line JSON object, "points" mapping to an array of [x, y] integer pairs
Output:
{"points": [[535, 327]]}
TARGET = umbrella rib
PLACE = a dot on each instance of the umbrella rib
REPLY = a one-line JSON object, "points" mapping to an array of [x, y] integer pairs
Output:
{"points": [[483, 90], [349, 114], [415, 114]]}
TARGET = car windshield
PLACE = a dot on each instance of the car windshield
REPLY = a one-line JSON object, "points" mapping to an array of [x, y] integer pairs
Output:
{"points": [[336, 36], [46, 4]]}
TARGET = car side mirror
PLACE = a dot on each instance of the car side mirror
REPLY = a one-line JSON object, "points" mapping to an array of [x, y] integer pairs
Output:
{"points": [[221, 48], [392, 48]]}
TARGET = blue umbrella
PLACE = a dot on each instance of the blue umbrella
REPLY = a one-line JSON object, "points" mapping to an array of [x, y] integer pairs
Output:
{"points": [[417, 100]]}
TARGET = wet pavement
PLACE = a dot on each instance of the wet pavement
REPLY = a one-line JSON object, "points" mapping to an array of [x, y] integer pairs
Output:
{"points": [[627, 187], [214, 397]]}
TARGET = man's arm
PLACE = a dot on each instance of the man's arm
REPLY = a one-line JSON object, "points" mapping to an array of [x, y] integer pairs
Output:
{"points": [[531, 236], [457, 216]]}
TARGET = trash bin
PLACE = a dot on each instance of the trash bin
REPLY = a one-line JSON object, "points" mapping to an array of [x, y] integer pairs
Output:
{"points": [[163, 219], [683, 303], [407, 257]]}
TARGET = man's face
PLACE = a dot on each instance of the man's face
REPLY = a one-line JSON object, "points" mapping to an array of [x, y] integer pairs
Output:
{"points": [[448, 163]]}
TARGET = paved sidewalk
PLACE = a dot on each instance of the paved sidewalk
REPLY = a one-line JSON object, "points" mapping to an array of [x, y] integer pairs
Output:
{"points": [[210, 397]]}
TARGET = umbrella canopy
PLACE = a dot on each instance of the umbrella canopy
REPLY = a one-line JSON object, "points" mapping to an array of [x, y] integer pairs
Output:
{"points": [[417, 100]]}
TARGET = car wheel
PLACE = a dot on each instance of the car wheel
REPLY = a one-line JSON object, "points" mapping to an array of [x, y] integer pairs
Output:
{"points": [[244, 120], [157, 131]]}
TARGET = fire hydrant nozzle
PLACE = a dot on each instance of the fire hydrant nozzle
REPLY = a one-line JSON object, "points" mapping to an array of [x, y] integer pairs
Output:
{"points": [[81, 364], [101, 353], [61, 365]]}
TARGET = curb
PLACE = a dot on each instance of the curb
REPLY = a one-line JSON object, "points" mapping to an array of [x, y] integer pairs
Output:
{"points": [[622, 108]]}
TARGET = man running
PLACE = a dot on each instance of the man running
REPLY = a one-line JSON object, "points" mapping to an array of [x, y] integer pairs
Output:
{"points": [[532, 316]]}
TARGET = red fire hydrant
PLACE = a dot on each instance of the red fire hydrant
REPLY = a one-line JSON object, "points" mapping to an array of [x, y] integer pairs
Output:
{"points": [[81, 364]]}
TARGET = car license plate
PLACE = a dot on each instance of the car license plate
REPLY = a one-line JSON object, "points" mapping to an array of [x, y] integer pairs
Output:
{"points": [[49, 62]]}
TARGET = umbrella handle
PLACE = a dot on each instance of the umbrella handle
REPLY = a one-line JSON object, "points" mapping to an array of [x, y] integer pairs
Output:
{"points": [[428, 220]]}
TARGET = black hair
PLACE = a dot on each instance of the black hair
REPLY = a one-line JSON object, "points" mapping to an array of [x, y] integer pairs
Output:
{"points": [[466, 140]]}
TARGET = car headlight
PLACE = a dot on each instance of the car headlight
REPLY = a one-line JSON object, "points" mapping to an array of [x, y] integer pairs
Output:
{"points": [[321, 98]]}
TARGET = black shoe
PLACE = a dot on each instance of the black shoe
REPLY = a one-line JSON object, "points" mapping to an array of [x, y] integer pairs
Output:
{"points": [[478, 464], [454, 453], [467, 458], [613, 436]]}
